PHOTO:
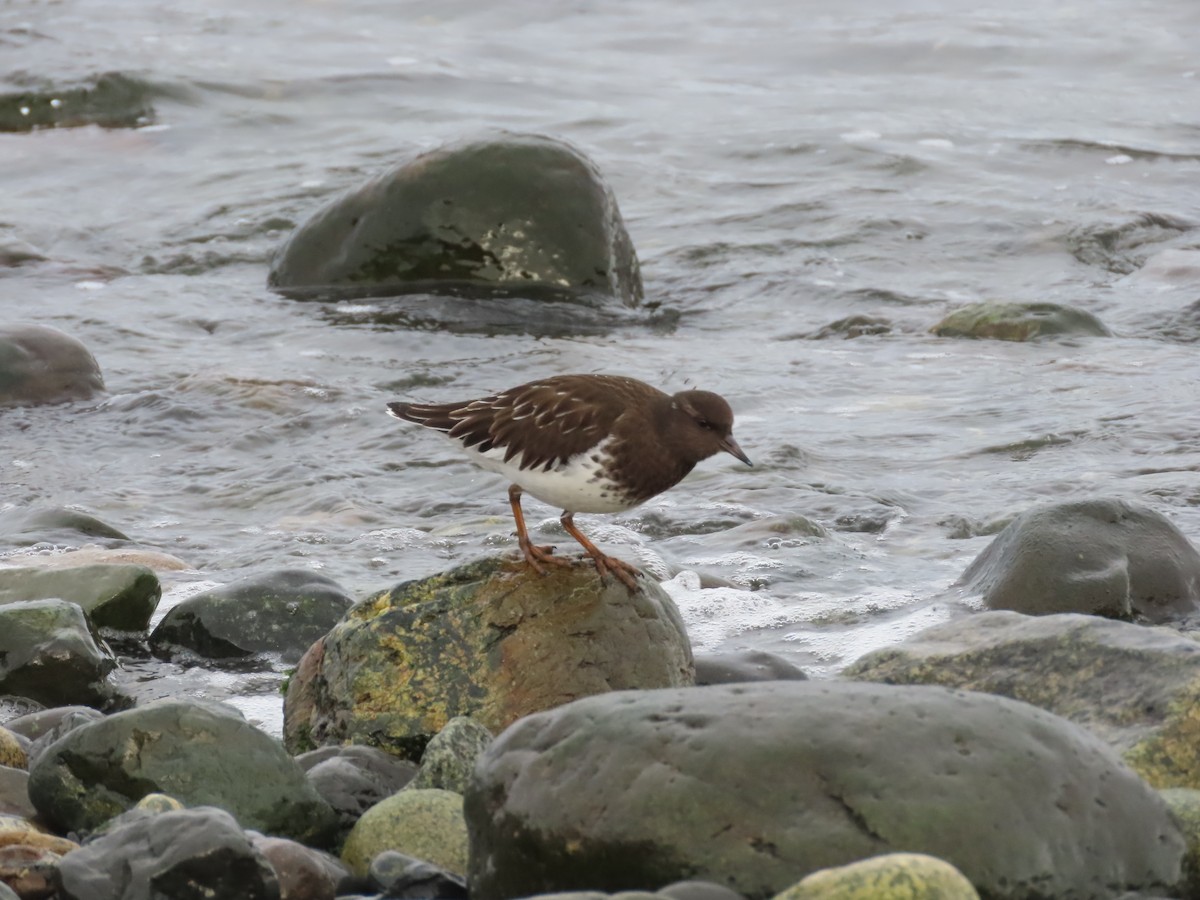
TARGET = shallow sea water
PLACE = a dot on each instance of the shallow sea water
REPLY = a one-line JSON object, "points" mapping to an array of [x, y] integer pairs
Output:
{"points": [[780, 166]]}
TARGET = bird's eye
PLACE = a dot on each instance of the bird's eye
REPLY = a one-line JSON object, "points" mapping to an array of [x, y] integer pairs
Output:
{"points": [[704, 423]]}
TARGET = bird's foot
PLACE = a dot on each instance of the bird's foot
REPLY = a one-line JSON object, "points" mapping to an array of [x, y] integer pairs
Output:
{"points": [[624, 572], [537, 557]]}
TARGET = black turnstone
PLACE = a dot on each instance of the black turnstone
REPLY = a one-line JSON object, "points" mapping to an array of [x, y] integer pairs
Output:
{"points": [[584, 443]]}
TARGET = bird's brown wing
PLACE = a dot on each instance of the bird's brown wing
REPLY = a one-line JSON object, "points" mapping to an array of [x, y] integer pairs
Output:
{"points": [[539, 424]]}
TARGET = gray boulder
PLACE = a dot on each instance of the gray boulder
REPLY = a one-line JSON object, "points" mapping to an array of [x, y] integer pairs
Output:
{"points": [[23, 527], [203, 754], [515, 212], [190, 853], [121, 597], [1104, 557], [757, 785], [40, 365]]}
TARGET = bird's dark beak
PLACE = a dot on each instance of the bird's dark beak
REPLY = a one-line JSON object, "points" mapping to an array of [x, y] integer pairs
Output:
{"points": [[730, 446]]}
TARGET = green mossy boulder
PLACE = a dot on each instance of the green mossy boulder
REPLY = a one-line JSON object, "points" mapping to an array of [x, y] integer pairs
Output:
{"points": [[426, 824], [893, 876], [1019, 322], [516, 212]]}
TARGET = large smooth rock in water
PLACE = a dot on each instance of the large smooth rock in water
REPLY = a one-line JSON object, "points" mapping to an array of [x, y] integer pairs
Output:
{"points": [[121, 597], [519, 212], [1019, 322], [50, 653], [189, 853], [756, 785], [1133, 686], [276, 612], [492, 640], [39, 365], [203, 754], [1104, 557], [23, 527]]}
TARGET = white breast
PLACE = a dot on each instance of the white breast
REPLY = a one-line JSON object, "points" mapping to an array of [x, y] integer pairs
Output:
{"points": [[578, 485]]}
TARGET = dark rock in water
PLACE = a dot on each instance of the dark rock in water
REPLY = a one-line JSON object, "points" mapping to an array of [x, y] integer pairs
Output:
{"points": [[403, 877], [757, 785], [745, 665], [492, 640], [50, 653], [40, 365], [1104, 557], [1019, 322], [303, 873], [1133, 686], [191, 853], [278, 612], [53, 525], [1122, 247], [121, 597], [449, 759], [113, 100], [850, 327], [515, 212], [200, 753], [354, 778]]}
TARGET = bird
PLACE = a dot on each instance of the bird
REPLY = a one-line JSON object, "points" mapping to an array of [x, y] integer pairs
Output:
{"points": [[584, 444]]}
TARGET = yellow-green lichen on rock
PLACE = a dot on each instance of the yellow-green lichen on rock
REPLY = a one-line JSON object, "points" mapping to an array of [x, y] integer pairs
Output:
{"points": [[894, 876], [492, 640], [427, 824], [1019, 321]]}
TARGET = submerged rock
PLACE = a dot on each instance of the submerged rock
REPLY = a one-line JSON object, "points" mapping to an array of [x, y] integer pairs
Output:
{"points": [[112, 100], [50, 653], [512, 211], [22, 527], [1105, 557], [1133, 686], [121, 597], [279, 612], [492, 640], [758, 785], [1019, 322], [40, 365], [200, 753]]}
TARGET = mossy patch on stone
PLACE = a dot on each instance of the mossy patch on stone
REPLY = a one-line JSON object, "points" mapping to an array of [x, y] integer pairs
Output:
{"points": [[1019, 322]]}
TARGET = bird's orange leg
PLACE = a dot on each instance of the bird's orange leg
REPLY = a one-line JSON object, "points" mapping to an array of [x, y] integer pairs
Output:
{"points": [[626, 573], [534, 555]]}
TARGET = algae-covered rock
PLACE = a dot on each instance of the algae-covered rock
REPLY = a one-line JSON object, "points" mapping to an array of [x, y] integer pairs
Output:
{"points": [[449, 759], [427, 824], [511, 211], [198, 752], [1019, 322], [122, 597], [893, 876], [280, 612], [492, 640], [40, 365], [12, 751], [1104, 557], [1136, 687]]}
